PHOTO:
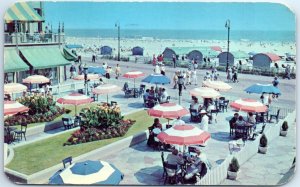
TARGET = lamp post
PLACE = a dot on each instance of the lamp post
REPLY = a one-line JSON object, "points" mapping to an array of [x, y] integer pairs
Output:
{"points": [[118, 26], [85, 72], [227, 25]]}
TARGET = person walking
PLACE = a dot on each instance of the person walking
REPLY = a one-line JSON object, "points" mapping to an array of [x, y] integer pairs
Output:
{"points": [[174, 60], [118, 71], [94, 57], [79, 57], [188, 77], [195, 64], [80, 69], [154, 60], [229, 74], [175, 79], [72, 71], [108, 71], [157, 69], [194, 77], [162, 69]]}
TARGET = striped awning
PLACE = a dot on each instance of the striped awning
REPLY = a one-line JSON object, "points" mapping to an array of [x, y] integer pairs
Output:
{"points": [[21, 11], [13, 62]]}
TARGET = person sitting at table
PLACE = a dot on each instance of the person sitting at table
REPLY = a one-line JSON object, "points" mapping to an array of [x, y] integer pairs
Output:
{"points": [[204, 120], [233, 120], [152, 91], [148, 99], [155, 125], [240, 123], [251, 119], [163, 97], [195, 104]]}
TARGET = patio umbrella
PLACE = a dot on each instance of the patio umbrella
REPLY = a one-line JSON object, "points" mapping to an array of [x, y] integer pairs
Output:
{"points": [[87, 173], [263, 88], [75, 99], [183, 135], [216, 48], [91, 77], [248, 105], [36, 79], [205, 92], [106, 89], [13, 107], [157, 79], [217, 85], [14, 88], [133, 75]]}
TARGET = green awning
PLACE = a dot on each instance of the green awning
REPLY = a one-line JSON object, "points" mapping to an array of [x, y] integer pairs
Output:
{"points": [[13, 62], [44, 57], [69, 55], [22, 11]]}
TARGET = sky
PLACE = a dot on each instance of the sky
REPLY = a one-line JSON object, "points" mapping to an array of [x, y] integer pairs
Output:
{"points": [[171, 16]]}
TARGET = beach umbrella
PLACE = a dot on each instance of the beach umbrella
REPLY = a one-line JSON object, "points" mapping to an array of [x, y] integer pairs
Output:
{"points": [[13, 107], [106, 89], [168, 111], [248, 105], [36, 79], [217, 85], [133, 75], [205, 92], [183, 135], [157, 79], [14, 88], [263, 88], [87, 173], [91, 77], [96, 70], [75, 99], [216, 48]]}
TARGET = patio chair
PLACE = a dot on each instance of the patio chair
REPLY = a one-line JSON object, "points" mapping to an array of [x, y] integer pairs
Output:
{"points": [[172, 173], [258, 131], [224, 105], [67, 123], [216, 111], [276, 116], [67, 160], [194, 115], [192, 150], [164, 164], [203, 170], [168, 126], [22, 132], [240, 132]]}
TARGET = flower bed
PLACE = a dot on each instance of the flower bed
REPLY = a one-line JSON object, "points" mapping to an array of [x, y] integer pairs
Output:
{"points": [[100, 122], [41, 109]]}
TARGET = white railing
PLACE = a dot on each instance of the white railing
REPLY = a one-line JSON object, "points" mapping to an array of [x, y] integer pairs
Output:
{"points": [[219, 173], [23, 38]]}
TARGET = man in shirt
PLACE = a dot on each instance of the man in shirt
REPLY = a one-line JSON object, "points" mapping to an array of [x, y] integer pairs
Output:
{"points": [[174, 159], [164, 95]]}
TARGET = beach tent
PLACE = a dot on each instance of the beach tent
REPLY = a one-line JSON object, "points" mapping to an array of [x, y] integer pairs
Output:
{"points": [[263, 60], [137, 51], [223, 59], [105, 50], [168, 53], [195, 54]]}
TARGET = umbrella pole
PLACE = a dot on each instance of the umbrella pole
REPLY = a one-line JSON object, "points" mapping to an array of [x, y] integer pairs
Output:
{"points": [[107, 98], [75, 110], [133, 87]]}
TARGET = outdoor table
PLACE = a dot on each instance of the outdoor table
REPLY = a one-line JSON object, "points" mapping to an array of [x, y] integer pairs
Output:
{"points": [[10, 137]]}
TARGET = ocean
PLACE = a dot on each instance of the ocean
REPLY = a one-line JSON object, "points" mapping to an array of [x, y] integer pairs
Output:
{"points": [[281, 36]]}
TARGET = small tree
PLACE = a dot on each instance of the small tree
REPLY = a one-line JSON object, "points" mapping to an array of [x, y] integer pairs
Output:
{"points": [[263, 141], [234, 165], [285, 126]]}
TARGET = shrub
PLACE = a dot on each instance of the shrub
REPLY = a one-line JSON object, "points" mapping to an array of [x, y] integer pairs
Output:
{"points": [[263, 141], [285, 126], [234, 165]]}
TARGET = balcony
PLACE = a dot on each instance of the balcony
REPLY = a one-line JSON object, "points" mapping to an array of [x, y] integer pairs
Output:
{"points": [[33, 39]]}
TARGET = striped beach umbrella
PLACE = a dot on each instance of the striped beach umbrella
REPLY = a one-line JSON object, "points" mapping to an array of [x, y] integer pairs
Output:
{"points": [[248, 105], [217, 85], [36, 79], [87, 173], [205, 92], [91, 77], [75, 99], [133, 75], [168, 110], [106, 89], [183, 135], [14, 88], [13, 107]]}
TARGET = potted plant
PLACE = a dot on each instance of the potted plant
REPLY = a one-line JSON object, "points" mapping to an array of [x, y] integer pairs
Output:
{"points": [[233, 169], [284, 128], [263, 144]]}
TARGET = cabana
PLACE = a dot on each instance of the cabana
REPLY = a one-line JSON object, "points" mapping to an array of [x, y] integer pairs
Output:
{"points": [[105, 50], [137, 51], [263, 60], [168, 53], [195, 54], [223, 59]]}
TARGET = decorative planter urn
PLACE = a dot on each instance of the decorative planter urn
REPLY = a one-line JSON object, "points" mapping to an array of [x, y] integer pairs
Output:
{"points": [[232, 175], [283, 133], [262, 150]]}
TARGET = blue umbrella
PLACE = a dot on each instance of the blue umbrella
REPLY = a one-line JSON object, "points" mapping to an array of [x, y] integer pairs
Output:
{"points": [[88, 172], [157, 79], [96, 70], [263, 88]]}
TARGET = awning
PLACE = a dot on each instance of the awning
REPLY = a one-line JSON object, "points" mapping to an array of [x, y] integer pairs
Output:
{"points": [[21, 11], [13, 62], [69, 55], [44, 57]]}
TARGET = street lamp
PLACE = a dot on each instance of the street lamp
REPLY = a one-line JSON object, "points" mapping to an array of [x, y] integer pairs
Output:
{"points": [[85, 72], [118, 26], [227, 25]]}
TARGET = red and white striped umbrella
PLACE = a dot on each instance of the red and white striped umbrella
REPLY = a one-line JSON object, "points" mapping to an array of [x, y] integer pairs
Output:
{"points": [[13, 107], [133, 74], [183, 135], [168, 110], [91, 77], [216, 48], [217, 85], [249, 105], [14, 88], [36, 79], [205, 92], [106, 89], [75, 99]]}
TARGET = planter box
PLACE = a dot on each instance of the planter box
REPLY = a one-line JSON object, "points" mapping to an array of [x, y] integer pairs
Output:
{"points": [[232, 175], [283, 133], [262, 150]]}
